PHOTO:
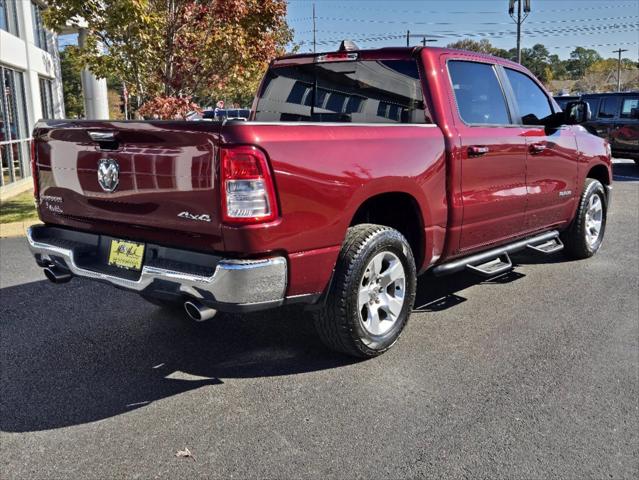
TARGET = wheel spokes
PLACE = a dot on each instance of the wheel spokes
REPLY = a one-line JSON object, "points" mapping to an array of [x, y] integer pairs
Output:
{"points": [[373, 319], [392, 273]]}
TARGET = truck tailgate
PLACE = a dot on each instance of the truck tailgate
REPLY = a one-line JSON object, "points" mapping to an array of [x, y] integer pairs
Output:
{"points": [[164, 186]]}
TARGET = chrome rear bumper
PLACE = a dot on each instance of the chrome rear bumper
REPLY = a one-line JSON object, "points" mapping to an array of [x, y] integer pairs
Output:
{"points": [[234, 282]]}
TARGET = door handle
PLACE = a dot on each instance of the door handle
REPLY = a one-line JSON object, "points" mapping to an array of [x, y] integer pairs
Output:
{"points": [[537, 148], [477, 150]]}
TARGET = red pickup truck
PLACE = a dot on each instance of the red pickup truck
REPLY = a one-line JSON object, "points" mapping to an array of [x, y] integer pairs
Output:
{"points": [[357, 171]]}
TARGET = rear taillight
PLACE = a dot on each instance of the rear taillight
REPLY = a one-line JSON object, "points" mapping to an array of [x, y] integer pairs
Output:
{"points": [[248, 193], [34, 170]]}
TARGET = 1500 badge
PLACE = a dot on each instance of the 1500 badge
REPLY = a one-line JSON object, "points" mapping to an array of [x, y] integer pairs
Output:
{"points": [[189, 216]]}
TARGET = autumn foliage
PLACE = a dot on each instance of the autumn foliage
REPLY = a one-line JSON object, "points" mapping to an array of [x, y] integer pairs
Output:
{"points": [[174, 53], [167, 108]]}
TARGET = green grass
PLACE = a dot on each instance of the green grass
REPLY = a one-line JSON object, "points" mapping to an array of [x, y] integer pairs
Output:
{"points": [[18, 209]]}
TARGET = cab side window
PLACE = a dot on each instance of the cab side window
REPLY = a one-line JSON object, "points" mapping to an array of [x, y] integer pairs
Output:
{"points": [[534, 106], [593, 104], [630, 108], [609, 107], [479, 96]]}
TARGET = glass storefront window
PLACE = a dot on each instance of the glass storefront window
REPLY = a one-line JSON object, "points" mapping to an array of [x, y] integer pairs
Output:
{"points": [[14, 135], [46, 97], [40, 34], [9, 17]]}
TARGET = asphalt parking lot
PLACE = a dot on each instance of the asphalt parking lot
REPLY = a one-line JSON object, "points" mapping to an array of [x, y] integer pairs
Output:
{"points": [[534, 375]]}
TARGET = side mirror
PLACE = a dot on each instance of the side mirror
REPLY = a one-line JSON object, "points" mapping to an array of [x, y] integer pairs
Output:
{"points": [[576, 113], [634, 113]]}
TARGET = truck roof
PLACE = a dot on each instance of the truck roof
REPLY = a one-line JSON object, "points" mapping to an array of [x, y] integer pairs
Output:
{"points": [[394, 53]]}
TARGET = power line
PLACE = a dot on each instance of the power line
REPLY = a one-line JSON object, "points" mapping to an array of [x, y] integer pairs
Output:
{"points": [[413, 22], [464, 12], [498, 34]]}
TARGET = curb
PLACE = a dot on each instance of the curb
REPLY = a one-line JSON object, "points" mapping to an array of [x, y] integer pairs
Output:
{"points": [[16, 229]]}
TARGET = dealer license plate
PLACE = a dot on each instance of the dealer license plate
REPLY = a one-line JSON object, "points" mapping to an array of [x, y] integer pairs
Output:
{"points": [[127, 255]]}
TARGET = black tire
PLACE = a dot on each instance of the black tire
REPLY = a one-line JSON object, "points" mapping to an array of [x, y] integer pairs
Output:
{"points": [[575, 239], [338, 321]]}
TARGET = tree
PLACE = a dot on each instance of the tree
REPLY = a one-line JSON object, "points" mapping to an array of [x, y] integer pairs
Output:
{"points": [[482, 46], [171, 51], [580, 59], [71, 83], [537, 60]]}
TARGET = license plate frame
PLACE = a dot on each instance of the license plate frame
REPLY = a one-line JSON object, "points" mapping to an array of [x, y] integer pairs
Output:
{"points": [[126, 254]]}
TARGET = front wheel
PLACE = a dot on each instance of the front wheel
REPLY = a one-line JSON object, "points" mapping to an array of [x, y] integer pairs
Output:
{"points": [[585, 235], [372, 292]]}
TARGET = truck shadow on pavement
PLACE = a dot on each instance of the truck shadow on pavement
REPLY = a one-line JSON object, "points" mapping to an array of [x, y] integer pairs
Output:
{"points": [[83, 352]]}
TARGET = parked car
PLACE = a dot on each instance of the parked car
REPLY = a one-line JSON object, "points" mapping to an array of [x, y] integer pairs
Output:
{"points": [[564, 100], [615, 117], [229, 113], [356, 172]]}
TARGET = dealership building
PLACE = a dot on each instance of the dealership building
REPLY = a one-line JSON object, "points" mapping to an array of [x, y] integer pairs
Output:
{"points": [[31, 86]]}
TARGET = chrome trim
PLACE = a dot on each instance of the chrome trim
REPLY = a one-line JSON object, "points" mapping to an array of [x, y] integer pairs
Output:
{"points": [[234, 281], [102, 136]]}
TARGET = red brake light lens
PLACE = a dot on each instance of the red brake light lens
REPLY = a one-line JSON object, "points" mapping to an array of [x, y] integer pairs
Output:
{"points": [[248, 193]]}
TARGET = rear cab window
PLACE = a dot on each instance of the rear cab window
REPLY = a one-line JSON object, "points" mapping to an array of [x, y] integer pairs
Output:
{"points": [[478, 93], [353, 91]]}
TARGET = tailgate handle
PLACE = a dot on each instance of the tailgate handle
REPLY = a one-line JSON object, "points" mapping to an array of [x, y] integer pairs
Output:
{"points": [[105, 139]]}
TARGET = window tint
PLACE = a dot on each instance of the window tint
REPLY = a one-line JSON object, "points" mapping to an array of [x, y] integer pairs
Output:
{"points": [[630, 104], [532, 102], [479, 96], [367, 91], [609, 107], [593, 103]]}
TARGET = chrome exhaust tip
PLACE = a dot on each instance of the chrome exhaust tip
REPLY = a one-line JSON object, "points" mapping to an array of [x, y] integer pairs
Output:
{"points": [[57, 275], [198, 312]]}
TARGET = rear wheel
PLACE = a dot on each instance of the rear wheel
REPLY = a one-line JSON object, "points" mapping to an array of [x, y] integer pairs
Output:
{"points": [[585, 235], [372, 292]]}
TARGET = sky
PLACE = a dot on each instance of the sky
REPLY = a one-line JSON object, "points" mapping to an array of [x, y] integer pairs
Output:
{"points": [[561, 25]]}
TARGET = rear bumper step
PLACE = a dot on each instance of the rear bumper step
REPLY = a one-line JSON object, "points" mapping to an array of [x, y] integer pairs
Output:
{"points": [[214, 280], [496, 261]]}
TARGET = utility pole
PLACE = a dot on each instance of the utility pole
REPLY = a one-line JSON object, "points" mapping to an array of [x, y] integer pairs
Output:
{"points": [[620, 51], [314, 42], [423, 36], [523, 10]]}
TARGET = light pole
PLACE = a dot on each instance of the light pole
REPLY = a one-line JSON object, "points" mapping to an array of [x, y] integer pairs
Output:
{"points": [[620, 51], [521, 5]]}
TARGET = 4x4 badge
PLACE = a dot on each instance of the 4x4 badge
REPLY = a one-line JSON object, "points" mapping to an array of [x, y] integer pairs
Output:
{"points": [[202, 218]]}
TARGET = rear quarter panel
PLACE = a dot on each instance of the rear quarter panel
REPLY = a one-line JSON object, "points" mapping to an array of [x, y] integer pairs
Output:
{"points": [[325, 172]]}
